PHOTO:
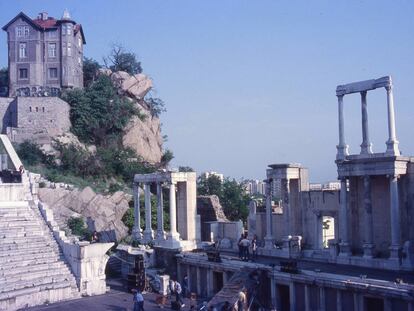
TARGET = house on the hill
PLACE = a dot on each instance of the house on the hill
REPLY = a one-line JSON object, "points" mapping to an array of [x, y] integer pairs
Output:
{"points": [[45, 54]]}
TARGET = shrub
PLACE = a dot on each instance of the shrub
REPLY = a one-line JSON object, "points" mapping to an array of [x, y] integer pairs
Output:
{"points": [[31, 154], [77, 226]]}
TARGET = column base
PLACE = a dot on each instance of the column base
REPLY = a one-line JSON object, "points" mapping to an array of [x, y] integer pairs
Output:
{"points": [[366, 148], [160, 235], [342, 152], [368, 250], [395, 252], [136, 234], [392, 148], [172, 241], [268, 242], [148, 236], [344, 249]]}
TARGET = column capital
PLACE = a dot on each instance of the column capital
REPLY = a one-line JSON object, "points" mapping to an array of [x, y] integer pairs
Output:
{"points": [[340, 96], [388, 88]]}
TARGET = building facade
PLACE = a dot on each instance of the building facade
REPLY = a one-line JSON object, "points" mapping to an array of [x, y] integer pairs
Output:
{"points": [[45, 55]]}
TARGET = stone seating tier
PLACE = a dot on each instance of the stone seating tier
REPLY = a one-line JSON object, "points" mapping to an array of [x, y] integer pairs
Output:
{"points": [[32, 269]]}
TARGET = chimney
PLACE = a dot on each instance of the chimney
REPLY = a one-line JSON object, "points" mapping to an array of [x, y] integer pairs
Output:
{"points": [[42, 16]]}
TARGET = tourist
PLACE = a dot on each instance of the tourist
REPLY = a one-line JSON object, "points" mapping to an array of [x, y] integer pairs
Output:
{"points": [[185, 287], [242, 301], [254, 247], [138, 301], [95, 237], [245, 243], [240, 246], [178, 291]]}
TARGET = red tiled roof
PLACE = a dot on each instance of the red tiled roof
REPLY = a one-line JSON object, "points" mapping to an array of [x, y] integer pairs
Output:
{"points": [[49, 23]]}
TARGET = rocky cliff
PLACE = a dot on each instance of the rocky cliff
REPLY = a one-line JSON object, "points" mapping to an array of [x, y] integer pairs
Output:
{"points": [[102, 213]]}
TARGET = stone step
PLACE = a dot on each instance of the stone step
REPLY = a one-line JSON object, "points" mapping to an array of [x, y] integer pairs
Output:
{"points": [[21, 240], [35, 272], [20, 232], [27, 262], [18, 223], [11, 246], [27, 256], [29, 269], [54, 278], [29, 251]]}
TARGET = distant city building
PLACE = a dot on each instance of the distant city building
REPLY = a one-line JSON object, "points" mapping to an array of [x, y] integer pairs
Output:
{"points": [[255, 186], [45, 54], [206, 175]]}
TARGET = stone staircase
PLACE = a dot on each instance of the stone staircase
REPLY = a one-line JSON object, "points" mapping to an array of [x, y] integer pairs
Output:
{"points": [[32, 267]]}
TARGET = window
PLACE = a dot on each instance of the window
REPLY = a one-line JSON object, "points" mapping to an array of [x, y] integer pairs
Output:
{"points": [[79, 61], [52, 34], [69, 49], [53, 73], [52, 49], [22, 50], [30, 109], [68, 29], [23, 73], [79, 41], [37, 109], [43, 109], [22, 31]]}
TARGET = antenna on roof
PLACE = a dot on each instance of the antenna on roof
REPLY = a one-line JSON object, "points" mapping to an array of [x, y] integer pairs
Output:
{"points": [[66, 14]]}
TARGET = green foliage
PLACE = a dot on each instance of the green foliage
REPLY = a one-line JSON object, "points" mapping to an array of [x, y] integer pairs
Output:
{"points": [[185, 169], [4, 77], [210, 186], [98, 114], [166, 157], [77, 226], [90, 71], [156, 106], [114, 187], [231, 194], [121, 60], [31, 154]]}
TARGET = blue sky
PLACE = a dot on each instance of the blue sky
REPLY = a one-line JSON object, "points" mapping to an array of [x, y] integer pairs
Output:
{"points": [[251, 83]]}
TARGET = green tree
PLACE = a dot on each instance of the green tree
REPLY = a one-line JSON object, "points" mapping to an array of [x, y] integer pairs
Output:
{"points": [[156, 106], [185, 169], [90, 71], [98, 114], [234, 200], [166, 157], [31, 154], [121, 60], [209, 186]]}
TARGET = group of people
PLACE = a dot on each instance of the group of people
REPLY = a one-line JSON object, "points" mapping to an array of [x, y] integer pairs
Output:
{"points": [[245, 245]]}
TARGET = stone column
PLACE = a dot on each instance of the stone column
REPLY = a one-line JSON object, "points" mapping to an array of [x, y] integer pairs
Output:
{"points": [[369, 231], [160, 213], [307, 298], [269, 237], [395, 217], [173, 236], [198, 281], [273, 293], [209, 278], [343, 221], [148, 230], [189, 279], [366, 146], [342, 148], [322, 302], [286, 206], [136, 231], [292, 296], [392, 142]]}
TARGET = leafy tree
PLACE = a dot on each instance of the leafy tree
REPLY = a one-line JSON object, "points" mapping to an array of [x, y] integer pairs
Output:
{"points": [[90, 71], [77, 226], [166, 157], [234, 200], [4, 77], [156, 106], [209, 186], [185, 169], [98, 114], [31, 154], [120, 60]]}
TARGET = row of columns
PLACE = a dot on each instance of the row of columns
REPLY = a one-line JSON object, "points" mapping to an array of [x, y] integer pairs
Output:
{"points": [[366, 146], [368, 219], [148, 234], [269, 239]]}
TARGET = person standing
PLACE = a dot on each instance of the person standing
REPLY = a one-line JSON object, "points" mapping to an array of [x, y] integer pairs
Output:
{"points": [[240, 246], [178, 291], [138, 301], [245, 243], [254, 247]]}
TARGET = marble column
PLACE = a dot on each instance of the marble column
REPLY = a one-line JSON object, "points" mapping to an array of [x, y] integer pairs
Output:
{"points": [[395, 217], [392, 142], [160, 213], [343, 221], [369, 230], [292, 296], [273, 293], [286, 206], [148, 230], [198, 280], [136, 231], [269, 237], [209, 278], [173, 234], [307, 298], [366, 146], [322, 300], [342, 147]]}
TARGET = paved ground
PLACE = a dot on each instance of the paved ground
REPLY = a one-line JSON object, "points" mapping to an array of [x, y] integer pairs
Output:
{"points": [[116, 300]]}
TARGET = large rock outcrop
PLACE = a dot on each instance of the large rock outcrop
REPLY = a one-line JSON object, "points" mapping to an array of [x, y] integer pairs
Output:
{"points": [[101, 213], [210, 209]]}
